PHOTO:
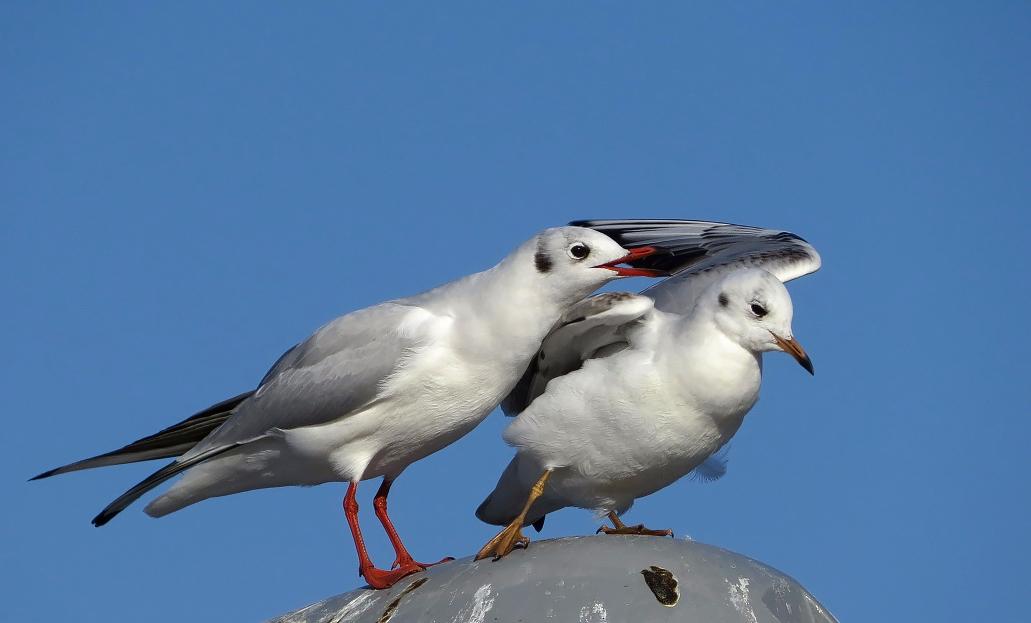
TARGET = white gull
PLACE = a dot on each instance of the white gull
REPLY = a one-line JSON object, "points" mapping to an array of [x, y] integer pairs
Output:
{"points": [[630, 393], [379, 388]]}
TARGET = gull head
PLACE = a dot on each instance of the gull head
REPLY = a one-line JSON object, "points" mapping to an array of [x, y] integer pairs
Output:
{"points": [[753, 308], [584, 258]]}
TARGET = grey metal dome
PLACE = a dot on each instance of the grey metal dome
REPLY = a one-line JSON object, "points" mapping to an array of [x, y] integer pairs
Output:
{"points": [[597, 579]]}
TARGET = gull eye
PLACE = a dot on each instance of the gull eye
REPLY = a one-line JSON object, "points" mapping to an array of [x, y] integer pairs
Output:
{"points": [[758, 310], [578, 251]]}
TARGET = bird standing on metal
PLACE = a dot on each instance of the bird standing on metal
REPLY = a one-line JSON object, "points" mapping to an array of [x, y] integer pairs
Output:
{"points": [[629, 393], [380, 388]]}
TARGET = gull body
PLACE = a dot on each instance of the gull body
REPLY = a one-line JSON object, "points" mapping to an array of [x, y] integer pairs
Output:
{"points": [[462, 354], [638, 397], [379, 388], [627, 425]]}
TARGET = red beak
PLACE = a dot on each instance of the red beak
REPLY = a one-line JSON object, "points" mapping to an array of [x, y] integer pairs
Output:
{"points": [[633, 255]]}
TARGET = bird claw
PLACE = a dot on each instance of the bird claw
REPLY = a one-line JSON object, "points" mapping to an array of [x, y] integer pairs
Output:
{"points": [[519, 541], [639, 530], [410, 561], [380, 578], [504, 543]]}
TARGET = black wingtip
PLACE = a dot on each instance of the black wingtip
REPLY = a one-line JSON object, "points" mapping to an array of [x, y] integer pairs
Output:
{"points": [[46, 474], [166, 443], [123, 501], [539, 524], [168, 471]]}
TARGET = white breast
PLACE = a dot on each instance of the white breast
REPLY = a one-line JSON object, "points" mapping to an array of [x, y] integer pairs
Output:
{"points": [[630, 424]]}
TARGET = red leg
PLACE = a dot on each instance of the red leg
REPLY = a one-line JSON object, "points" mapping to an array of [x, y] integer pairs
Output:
{"points": [[403, 557], [377, 578]]}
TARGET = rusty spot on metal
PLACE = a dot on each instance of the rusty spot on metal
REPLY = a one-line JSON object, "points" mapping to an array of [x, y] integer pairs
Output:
{"points": [[662, 584], [392, 606]]}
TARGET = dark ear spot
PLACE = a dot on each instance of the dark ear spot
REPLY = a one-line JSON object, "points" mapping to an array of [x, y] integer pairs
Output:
{"points": [[541, 260], [724, 301]]}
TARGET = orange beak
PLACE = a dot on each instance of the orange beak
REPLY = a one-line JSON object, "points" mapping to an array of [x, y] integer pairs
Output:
{"points": [[632, 255], [793, 348]]}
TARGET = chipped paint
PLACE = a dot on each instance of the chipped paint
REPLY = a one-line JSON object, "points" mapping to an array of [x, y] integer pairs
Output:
{"points": [[391, 608], [740, 600], [594, 614], [476, 611], [662, 584]]}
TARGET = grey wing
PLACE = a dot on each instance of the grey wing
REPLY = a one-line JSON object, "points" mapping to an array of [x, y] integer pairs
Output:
{"points": [[699, 252], [341, 368], [595, 327]]}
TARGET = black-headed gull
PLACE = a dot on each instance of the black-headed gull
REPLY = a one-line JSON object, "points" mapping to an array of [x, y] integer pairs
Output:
{"points": [[380, 388], [631, 392]]}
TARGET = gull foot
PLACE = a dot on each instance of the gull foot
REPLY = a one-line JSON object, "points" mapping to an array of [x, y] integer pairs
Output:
{"points": [[503, 544], [380, 578], [638, 529], [399, 563]]}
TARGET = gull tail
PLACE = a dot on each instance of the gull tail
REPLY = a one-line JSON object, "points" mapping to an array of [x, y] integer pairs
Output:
{"points": [[148, 483], [170, 442]]}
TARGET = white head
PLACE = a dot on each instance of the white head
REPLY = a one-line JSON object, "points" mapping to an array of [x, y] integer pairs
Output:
{"points": [[578, 260], [753, 308]]}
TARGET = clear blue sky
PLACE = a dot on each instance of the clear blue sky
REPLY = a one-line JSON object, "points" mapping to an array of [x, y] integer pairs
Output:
{"points": [[187, 190]]}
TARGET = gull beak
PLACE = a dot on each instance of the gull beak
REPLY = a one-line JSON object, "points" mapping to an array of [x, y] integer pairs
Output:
{"points": [[793, 348], [632, 256]]}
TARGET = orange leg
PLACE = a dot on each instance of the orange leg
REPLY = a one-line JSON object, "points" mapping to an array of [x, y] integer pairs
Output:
{"points": [[377, 578], [512, 535], [403, 559]]}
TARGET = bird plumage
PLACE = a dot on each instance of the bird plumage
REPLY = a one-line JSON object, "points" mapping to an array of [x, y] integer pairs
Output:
{"points": [[629, 393], [379, 388]]}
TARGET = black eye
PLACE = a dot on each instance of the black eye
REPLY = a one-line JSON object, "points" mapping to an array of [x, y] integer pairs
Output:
{"points": [[758, 310], [579, 251]]}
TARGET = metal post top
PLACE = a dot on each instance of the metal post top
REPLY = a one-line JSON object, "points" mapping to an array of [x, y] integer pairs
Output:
{"points": [[596, 579]]}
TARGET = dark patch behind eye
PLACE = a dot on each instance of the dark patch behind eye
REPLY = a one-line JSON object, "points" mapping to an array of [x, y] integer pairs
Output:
{"points": [[724, 301], [541, 259]]}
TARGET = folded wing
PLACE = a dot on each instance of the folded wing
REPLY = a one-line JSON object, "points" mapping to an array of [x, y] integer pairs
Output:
{"points": [[342, 368], [595, 327]]}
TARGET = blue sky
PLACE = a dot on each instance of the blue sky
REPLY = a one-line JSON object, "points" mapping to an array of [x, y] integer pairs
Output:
{"points": [[189, 189]]}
